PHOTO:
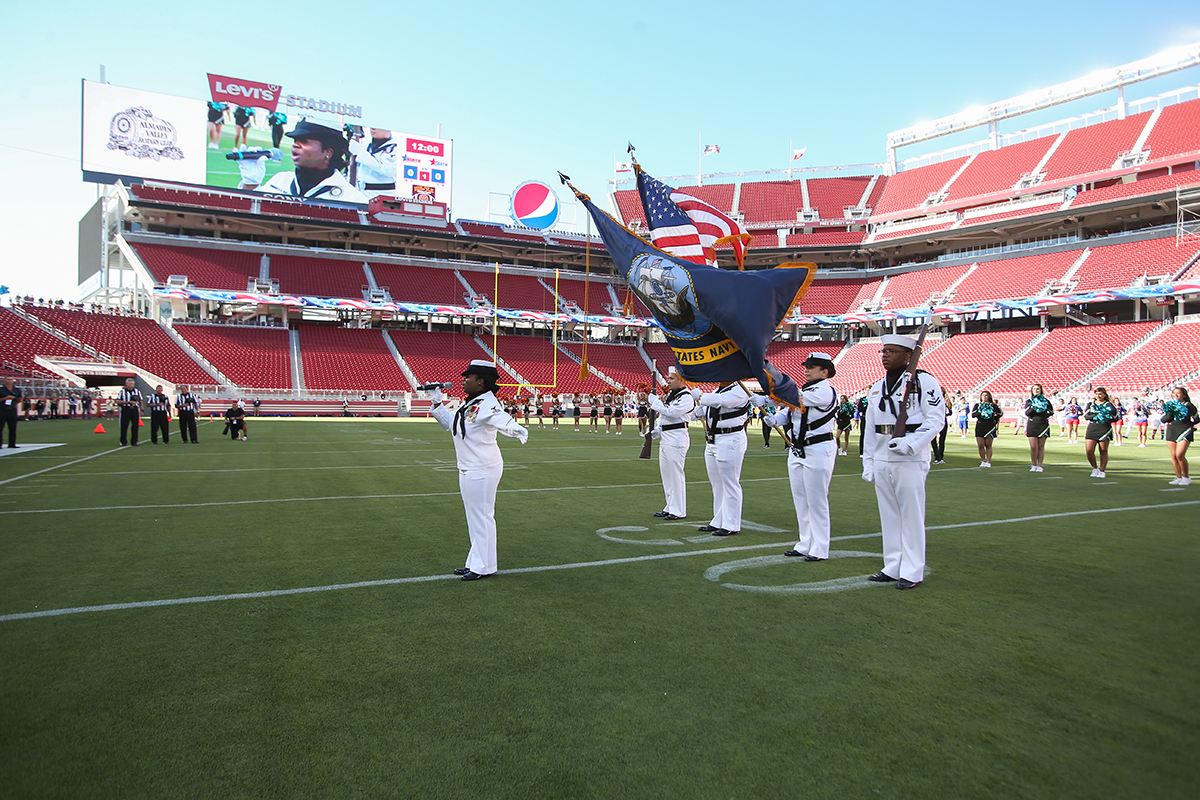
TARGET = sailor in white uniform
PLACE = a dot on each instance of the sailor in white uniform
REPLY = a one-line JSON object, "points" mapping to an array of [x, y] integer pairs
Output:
{"points": [[725, 413], [812, 454], [318, 152], [674, 411], [480, 466], [898, 461], [375, 173]]}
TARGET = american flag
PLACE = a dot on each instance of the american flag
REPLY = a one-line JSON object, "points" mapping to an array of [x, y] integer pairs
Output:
{"points": [[686, 226]]}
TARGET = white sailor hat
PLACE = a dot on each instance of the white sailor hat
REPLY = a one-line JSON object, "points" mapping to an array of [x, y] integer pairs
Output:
{"points": [[481, 366], [907, 342], [672, 372], [823, 360]]}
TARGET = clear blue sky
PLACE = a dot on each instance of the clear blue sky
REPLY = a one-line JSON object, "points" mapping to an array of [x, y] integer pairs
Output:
{"points": [[527, 89]]}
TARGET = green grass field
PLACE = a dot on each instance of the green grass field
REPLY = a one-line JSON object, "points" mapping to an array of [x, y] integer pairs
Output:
{"points": [[1051, 652]]}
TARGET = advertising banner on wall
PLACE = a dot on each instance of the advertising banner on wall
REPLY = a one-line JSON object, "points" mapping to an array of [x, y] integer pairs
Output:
{"points": [[129, 132]]}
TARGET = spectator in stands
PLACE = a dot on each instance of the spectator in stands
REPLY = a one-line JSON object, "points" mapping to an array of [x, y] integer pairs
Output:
{"points": [[576, 410], [1119, 422], [939, 444], [1181, 419], [10, 397], [129, 400], [480, 465], [1100, 414], [235, 421], [1038, 410], [987, 428], [375, 163], [216, 119], [1141, 420], [318, 152], [1071, 414], [845, 422], [241, 122]]}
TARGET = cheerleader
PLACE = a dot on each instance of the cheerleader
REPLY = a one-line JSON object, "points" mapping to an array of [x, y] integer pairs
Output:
{"points": [[988, 426], [1071, 415], [1100, 414], [577, 410], [1180, 417], [1119, 422], [595, 413], [556, 411], [1037, 425], [608, 413], [845, 421], [619, 411]]}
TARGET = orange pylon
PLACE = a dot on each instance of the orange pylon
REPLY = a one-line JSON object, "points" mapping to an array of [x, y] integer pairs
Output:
{"points": [[100, 429]]}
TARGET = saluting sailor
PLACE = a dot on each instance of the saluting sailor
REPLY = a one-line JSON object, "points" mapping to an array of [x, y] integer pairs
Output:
{"points": [[480, 466], [674, 411], [812, 454], [725, 413], [898, 466], [318, 152]]}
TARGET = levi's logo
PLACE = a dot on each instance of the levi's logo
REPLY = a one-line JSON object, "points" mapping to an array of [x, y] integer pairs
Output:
{"points": [[243, 92]]}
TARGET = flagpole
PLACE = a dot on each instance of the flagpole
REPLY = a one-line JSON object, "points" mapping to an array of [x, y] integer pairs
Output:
{"points": [[700, 159], [790, 159]]}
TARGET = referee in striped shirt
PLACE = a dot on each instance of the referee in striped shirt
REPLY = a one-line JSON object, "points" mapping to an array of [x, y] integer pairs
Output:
{"points": [[160, 415], [186, 406], [130, 401]]}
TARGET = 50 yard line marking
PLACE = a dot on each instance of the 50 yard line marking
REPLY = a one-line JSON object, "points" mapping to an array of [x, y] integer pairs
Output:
{"points": [[177, 601]]}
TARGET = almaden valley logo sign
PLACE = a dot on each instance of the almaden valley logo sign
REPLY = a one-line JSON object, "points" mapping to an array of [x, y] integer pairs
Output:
{"points": [[137, 132]]}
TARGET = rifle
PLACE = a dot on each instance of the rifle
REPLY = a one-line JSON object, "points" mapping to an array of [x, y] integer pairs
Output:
{"points": [[651, 415], [902, 414]]}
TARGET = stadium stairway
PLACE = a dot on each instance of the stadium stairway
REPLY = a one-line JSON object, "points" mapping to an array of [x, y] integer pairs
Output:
{"points": [[196, 355], [297, 362], [501, 363], [404, 367], [609, 383], [1119, 357]]}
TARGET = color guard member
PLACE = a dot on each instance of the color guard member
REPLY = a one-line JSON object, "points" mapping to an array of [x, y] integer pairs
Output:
{"points": [[898, 466], [725, 413], [674, 440]]}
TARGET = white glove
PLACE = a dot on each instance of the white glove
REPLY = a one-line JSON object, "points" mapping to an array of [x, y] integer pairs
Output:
{"points": [[656, 433], [695, 393], [901, 446], [254, 171], [655, 403], [522, 435], [758, 400], [868, 475], [435, 395], [358, 146]]}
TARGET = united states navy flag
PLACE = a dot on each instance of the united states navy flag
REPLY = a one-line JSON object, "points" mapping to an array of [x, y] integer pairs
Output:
{"points": [[718, 322]]}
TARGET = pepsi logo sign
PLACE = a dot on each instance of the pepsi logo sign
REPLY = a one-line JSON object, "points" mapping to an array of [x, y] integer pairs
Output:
{"points": [[534, 205]]}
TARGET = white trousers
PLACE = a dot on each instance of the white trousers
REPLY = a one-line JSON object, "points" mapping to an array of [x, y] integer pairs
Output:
{"points": [[670, 466], [478, 490], [724, 462], [900, 490], [809, 477]]}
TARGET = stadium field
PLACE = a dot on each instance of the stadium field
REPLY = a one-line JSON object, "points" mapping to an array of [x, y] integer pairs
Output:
{"points": [[277, 618]]}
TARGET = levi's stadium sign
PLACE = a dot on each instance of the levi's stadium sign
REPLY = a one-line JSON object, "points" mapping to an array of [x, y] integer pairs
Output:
{"points": [[243, 93]]}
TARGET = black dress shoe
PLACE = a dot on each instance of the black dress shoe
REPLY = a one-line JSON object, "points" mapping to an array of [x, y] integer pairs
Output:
{"points": [[707, 529], [671, 516], [723, 532], [814, 558], [473, 576], [794, 554], [461, 571], [660, 513], [903, 584], [881, 577]]}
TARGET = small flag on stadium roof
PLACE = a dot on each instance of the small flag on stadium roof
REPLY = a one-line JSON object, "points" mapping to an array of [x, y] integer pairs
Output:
{"points": [[718, 322], [798, 154], [686, 226], [624, 166], [709, 149]]}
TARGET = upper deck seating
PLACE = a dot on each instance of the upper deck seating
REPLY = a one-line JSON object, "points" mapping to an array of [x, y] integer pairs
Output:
{"points": [[520, 292], [771, 201], [909, 189], [1024, 276], [1116, 266], [833, 296], [1176, 131], [1094, 148], [420, 284], [319, 277], [355, 359], [230, 270], [831, 196], [914, 289], [999, 170]]}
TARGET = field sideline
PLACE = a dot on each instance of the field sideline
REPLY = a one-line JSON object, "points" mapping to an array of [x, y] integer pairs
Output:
{"points": [[276, 617]]}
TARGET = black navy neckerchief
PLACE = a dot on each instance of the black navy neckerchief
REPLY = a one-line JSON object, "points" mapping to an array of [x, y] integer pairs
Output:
{"points": [[459, 425]]}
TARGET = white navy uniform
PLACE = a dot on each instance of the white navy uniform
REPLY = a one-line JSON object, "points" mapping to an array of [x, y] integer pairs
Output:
{"points": [[376, 167], [674, 440], [898, 467], [335, 188], [725, 412], [810, 463], [480, 466]]}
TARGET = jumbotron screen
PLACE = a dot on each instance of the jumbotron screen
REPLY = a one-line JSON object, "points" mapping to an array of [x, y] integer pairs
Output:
{"points": [[241, 139]]}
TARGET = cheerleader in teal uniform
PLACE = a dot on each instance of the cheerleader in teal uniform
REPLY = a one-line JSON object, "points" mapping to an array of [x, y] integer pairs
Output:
{"points": [[1100, 414], [1180, 417], [1038, 411], [988, 415]]}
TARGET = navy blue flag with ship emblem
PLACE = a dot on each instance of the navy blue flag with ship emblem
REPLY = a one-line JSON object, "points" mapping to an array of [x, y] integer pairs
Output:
{"points": [[718, 322]]}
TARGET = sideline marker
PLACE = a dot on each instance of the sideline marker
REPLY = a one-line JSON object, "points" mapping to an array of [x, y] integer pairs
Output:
{"points": [[100, 428], [140, 423]]}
